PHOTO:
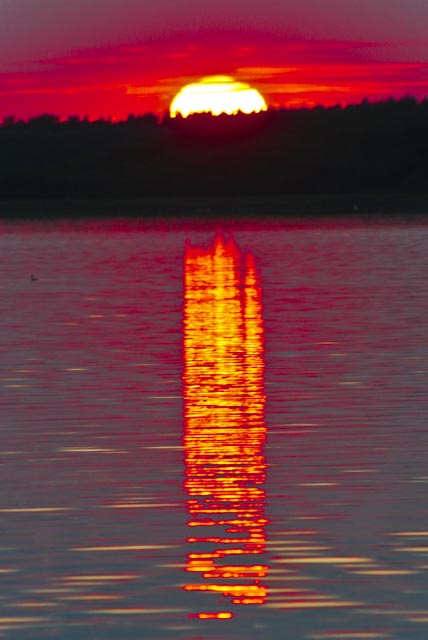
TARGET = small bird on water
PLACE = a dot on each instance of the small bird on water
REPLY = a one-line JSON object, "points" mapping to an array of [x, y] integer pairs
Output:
{"points": [[33, 278]]}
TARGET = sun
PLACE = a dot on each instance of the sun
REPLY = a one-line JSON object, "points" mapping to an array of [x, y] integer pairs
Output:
{"points": [[216, 95]]}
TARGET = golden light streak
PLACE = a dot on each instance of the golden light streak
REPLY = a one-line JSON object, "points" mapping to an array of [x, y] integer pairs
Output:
{"points": [[116, 577], [90, 598], [213, 616], [318, 484], [313, 604], [134, 611], [35, 605], [386, 572], [224, 421], [138, 505], [9, 570], [332, 560], [423, 619], [21, 620], [52, 591], [216, 95], [337, 635], [36, 510], [88, 450], [411, 534], [130, 547]]}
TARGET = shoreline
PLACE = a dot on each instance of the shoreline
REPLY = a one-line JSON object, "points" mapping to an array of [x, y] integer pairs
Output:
{"points": [[290, 206]]}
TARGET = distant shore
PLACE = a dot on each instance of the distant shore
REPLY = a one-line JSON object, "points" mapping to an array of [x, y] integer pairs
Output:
{"points": [[362, 159], [314, 205]]}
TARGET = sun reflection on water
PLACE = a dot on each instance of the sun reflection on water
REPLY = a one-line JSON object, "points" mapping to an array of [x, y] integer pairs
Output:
{"points": [[225, 429]]}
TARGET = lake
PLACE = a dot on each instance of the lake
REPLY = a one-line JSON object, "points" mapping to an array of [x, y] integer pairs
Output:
{"points": [[214, 430]]}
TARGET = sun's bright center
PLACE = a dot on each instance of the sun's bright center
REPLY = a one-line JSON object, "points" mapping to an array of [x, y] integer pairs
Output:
{"points": [[216, 95]]}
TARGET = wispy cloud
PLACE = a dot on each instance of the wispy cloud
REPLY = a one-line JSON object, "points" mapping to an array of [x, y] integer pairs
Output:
{"points": [[145, 77]]}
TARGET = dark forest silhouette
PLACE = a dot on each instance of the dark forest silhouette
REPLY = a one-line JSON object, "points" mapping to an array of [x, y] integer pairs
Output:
{"points": [[371, 148]]}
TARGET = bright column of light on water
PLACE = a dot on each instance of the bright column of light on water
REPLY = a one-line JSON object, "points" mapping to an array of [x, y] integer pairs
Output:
{"points": [[225, 429]]}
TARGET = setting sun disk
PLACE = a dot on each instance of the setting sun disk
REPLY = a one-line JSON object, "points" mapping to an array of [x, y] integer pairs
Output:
{"points": [[216, 95]]}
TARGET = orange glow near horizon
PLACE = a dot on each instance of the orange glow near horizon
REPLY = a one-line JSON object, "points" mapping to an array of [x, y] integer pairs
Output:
{"points": [[224, 424], [115, 80], [216, 95]]}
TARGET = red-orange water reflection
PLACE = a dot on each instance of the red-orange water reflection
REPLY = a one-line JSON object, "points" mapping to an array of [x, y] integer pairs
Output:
{"points": [[224, 423]]}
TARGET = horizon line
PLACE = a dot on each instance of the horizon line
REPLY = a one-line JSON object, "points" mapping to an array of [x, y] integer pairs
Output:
{"points": [[11, 120]]}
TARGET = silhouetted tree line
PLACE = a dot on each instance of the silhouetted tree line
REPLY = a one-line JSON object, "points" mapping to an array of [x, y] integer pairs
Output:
{"points": [[370, 147]]}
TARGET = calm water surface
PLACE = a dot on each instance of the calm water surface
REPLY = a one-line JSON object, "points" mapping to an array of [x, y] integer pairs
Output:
{"points": [[213, 431]]}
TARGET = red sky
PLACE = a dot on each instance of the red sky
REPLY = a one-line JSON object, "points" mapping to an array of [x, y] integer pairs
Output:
{"points": [[109, 58]]}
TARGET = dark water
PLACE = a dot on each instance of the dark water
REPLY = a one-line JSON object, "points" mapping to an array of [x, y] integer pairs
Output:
{"points": [[214, 431]]}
